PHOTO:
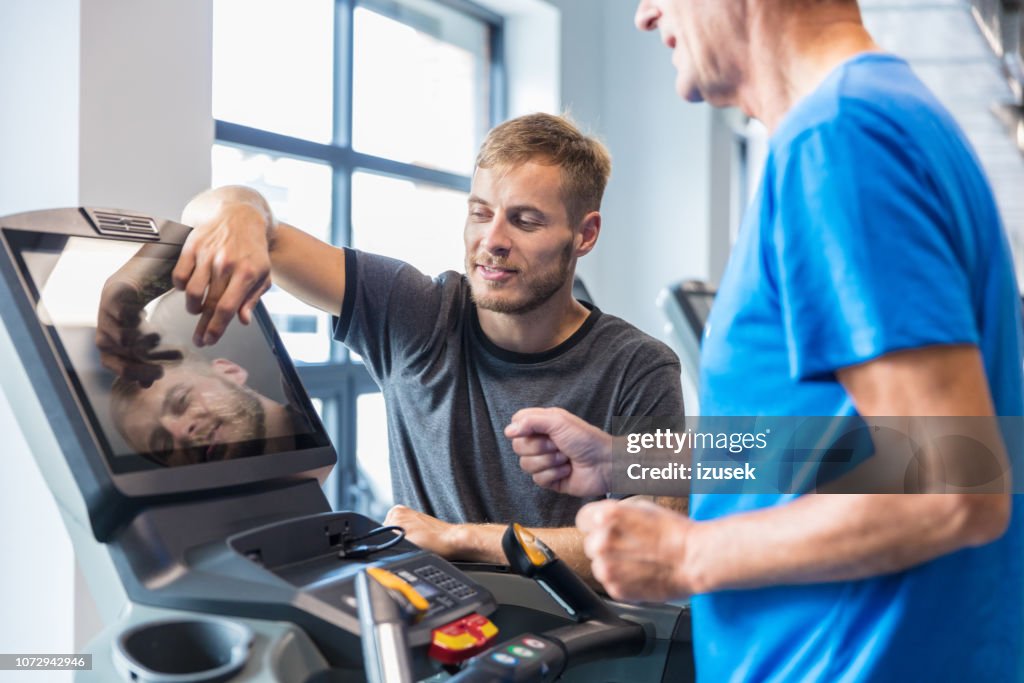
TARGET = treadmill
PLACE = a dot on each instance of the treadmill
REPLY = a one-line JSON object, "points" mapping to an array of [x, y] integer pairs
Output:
{"points": [[189, 480], [686, 306]]}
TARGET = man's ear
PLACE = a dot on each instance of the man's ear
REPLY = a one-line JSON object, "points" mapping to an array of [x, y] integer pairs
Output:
{"points": [[230, 370], [586, 235]]}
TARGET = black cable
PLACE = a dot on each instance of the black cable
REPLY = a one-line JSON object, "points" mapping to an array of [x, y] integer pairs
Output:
{"points": [[350, 552]]}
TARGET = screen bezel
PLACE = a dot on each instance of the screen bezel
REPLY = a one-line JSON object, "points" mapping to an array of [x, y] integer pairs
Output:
{"points": [[313, 460]]}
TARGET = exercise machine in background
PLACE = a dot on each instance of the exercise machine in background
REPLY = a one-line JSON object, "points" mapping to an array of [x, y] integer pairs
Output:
{"points": [[686, 306]]}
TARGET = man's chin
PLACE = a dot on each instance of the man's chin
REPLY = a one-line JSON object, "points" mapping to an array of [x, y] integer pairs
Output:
{"points": [[495, 298], [497, 304], [689, 91]]}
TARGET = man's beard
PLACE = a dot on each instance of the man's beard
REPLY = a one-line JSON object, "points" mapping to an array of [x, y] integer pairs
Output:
{"points": [[247, 411], [539, 290]]}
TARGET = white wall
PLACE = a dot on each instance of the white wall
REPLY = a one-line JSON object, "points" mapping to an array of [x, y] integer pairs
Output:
{"points": [[104, 102], [531, 54], [39, 48], [38, 167], [619, 83], [146, 125]]}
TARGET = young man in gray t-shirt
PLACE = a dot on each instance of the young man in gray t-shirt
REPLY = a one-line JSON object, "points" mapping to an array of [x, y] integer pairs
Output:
{"points": [[456, 356]]}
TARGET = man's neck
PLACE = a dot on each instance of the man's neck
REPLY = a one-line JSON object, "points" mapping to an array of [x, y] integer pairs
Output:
{"points": [[791, 54], [539, 330]]}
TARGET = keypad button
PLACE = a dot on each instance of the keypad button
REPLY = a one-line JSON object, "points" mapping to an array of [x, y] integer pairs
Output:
{"points": [[502, 658], [520, 651]]}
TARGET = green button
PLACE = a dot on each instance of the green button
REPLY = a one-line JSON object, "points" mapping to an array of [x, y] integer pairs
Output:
{"points": [[520, 651]]}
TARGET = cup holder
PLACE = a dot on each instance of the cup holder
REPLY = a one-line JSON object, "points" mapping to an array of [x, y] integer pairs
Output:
{"points": [[182, 650]]}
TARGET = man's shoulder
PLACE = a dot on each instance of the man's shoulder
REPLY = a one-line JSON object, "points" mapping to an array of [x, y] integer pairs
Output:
{"points": [[389, 300], [370, 261], [378, 270], [875, 95], [613, 335]]}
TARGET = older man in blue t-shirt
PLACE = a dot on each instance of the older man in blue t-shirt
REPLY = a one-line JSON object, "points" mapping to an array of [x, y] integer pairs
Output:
{"points": [[872, 277]]}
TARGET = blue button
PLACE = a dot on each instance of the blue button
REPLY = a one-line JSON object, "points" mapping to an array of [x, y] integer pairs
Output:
{"points": [[502, 658]]}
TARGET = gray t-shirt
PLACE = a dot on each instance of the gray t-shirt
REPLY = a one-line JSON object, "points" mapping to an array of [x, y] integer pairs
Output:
{"points": [[450, 391]]}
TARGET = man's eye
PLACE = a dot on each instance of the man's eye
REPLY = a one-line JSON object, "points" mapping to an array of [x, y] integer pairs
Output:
{"points": [[479, 215], [181, 401]]}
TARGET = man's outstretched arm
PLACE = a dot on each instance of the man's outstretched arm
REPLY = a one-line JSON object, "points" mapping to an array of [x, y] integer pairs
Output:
{"points": [[482, 542], [235, 247]]}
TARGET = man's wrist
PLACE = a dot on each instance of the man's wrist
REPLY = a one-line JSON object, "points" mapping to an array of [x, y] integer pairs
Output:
{"points": [[272, 233], [692, 574], [230, 200], [457, 540], [612, 445], [476, 542]]}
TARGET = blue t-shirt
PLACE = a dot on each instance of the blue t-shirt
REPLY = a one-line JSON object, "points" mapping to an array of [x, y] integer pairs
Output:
{"points": [[874, 230]]}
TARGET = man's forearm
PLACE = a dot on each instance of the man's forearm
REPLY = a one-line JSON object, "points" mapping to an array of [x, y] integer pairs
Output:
{"points": [[311, 270], [482, 543], [821, 537]]}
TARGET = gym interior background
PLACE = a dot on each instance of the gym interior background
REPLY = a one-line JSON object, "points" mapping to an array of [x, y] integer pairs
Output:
{"points": [[359, 119]]}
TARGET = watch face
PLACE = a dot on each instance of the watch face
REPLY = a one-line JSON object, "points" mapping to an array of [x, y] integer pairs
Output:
{"points": [[153, 398]]}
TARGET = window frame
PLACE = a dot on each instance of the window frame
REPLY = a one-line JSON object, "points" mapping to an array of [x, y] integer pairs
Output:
{"points": [[340, 381]]}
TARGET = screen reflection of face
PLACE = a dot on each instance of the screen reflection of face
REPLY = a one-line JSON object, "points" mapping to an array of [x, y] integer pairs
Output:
{"points": [[197, 412]]}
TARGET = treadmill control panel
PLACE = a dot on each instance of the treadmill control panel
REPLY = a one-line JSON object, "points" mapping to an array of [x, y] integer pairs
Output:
{"points": [[449, 592], [306, 553], [452, 589]]}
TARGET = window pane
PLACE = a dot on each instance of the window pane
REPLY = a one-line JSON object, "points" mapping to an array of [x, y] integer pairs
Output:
{"points": [[299, 193], [420, 83], [372, 449], [318, 406], [326, 408], [417, 223], [273, 65]]}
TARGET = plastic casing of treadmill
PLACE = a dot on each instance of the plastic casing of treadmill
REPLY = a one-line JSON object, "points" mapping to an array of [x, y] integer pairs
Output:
{"points": [[113, 499]]}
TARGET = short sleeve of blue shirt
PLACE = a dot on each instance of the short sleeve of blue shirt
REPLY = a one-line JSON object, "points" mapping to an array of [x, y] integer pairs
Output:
{"points": [[864, 260]]}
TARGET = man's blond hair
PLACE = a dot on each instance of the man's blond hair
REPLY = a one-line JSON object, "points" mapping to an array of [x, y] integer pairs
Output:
{"points": [[547, 139]]}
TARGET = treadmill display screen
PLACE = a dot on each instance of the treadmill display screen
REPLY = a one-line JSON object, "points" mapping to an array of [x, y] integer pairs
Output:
{"points": [[700, 303], [695, 301], [154, 399]]}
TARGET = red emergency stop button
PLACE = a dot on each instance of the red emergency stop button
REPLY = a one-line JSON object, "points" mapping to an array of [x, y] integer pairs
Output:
{"points": [[462, 639]]}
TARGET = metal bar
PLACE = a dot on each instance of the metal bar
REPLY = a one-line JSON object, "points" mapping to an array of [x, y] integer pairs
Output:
{"points": [[345, 157]]}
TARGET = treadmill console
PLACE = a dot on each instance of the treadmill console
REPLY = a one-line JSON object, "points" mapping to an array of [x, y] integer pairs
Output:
{"points": [[694, 298], [686, 306], [316, 556], [200, 467], [105, 337]]}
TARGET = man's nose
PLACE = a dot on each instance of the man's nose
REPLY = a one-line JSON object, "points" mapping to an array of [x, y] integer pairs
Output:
{"points": [[182, 428], [647, 15], [496, 238]]}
